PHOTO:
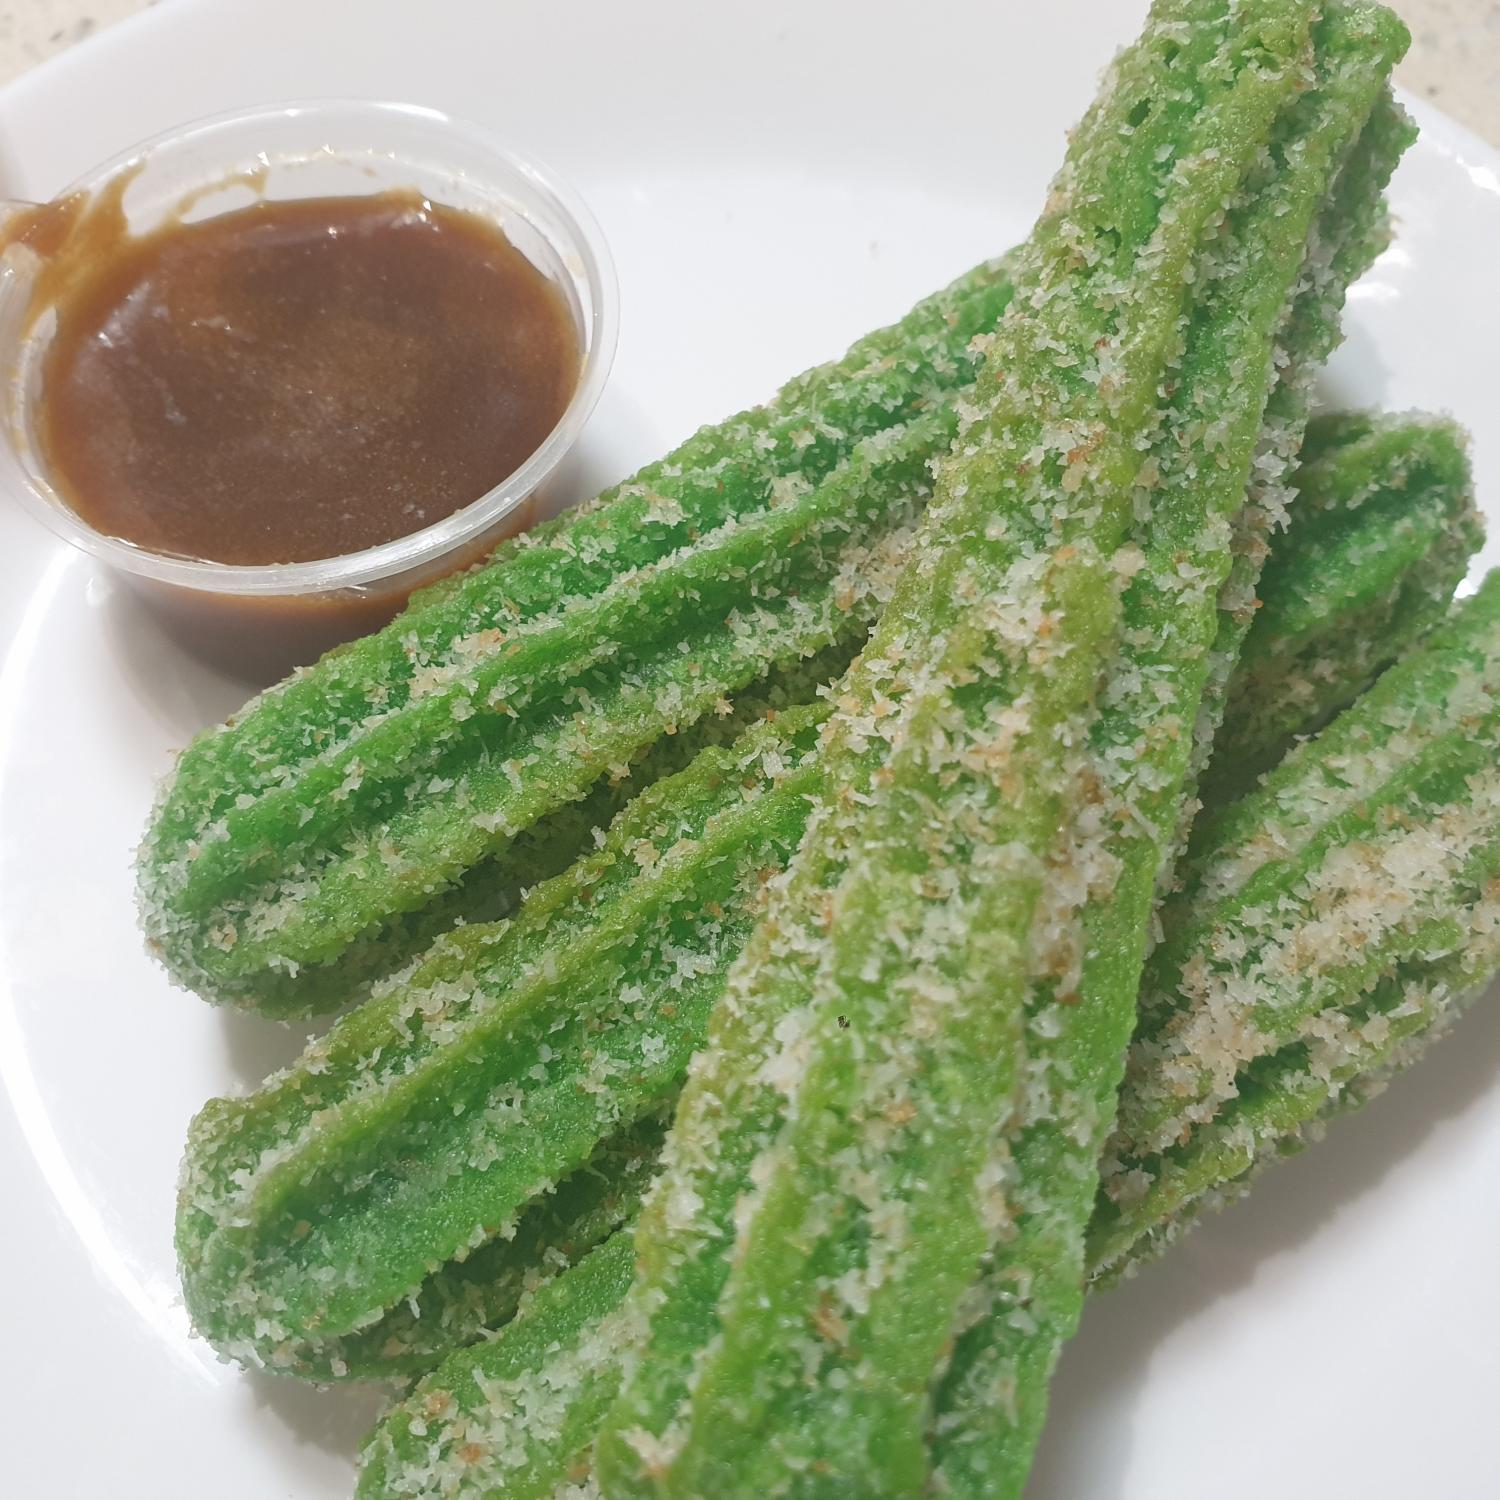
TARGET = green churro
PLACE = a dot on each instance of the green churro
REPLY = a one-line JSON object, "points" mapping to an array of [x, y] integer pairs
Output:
{"points": [[301, 836], [799, 1314], [1350, 859], [994, 1390], [1381, 531], [1283, 1101], [494, 888]]}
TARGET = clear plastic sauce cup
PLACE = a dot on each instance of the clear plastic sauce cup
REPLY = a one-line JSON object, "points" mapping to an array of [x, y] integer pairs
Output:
{"points": [[262, 619]]}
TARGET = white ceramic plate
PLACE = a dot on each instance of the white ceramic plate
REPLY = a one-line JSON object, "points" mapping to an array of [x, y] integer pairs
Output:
{"points": [[775, 179]]}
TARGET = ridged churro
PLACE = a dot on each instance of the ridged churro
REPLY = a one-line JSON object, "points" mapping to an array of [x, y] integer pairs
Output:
{"points": [[909, 1078]]}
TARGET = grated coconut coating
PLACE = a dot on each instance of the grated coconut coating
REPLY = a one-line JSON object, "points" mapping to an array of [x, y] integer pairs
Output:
{"points": [[515, 1416]]}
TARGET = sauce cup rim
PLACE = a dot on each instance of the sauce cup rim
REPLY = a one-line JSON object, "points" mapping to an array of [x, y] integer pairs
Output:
{"points": [[572, 234]]}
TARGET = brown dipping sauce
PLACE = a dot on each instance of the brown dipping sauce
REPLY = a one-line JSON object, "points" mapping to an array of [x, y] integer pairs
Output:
{"points": [[299, 379]]}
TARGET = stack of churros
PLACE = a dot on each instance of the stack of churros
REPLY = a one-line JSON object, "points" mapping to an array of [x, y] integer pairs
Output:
{"points": [[810, 914]]}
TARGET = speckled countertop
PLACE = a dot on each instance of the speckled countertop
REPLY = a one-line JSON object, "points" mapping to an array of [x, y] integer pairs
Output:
{"points": [[32, 30], [1454, 60]]}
